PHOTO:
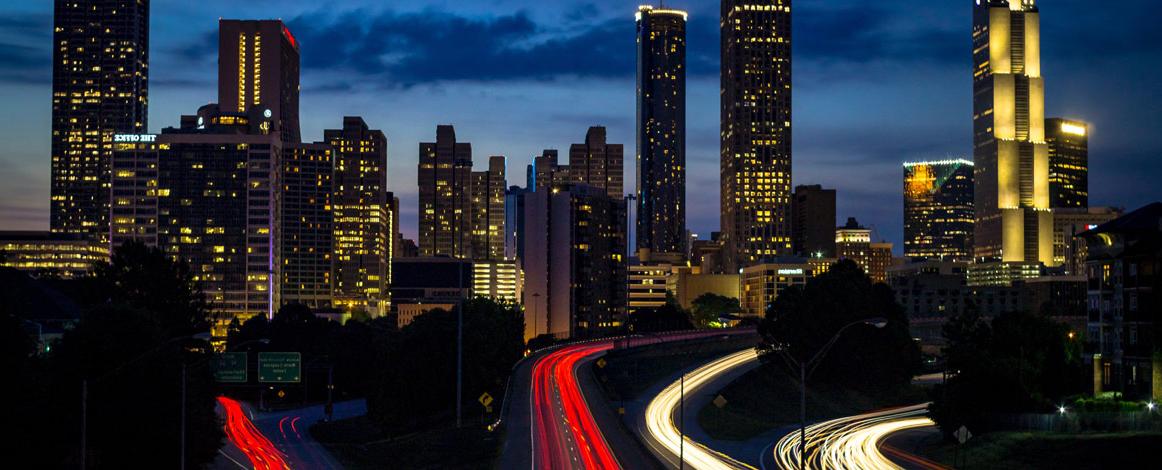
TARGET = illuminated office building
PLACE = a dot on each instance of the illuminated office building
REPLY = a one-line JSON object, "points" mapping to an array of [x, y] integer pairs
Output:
{"points": [[133, 189], [63, 255], [574, 263], [938, 210], [445, 202], [761, 283], [258, 65], [1012, 200], [755, 130], [1070, 250], [363, 219], [853, 242], [499, 280], [1068, 163], [488, 221], [597, 163], [100, 87], [661, 130], [306, 232]]}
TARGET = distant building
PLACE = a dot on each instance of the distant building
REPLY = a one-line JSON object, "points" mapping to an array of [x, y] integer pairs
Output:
{"points": [[258, 65], [514, 221], [574, 262], [707, 255], [1068, 163], [422, 284], [853, 242], [813, 221], [1069, 250], [597, 163], [1000, 273], [499, 280], [938, 209], [488, 217], [647, 281], [307, 225], [686, 284], [445, 190], [755, 131], [548, 172], [1011, 206], [46, 254], [762, 283], [100, 87], [661, 130], [1124, 272], [363, 218]]}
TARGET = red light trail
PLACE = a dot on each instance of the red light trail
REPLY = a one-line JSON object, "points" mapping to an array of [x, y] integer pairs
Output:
{"points": [[247, 438], [565, 434]]}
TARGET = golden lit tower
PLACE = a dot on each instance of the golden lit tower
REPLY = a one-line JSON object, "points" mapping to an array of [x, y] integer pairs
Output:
{"points": [[1013, 221], [756, 130], [661, 130], [100, 73], [362, 217]]}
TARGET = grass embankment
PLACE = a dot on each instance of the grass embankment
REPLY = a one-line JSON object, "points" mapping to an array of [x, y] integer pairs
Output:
{"points": [[629, 373], [358, 443], [1024, 450], [767, 398]]}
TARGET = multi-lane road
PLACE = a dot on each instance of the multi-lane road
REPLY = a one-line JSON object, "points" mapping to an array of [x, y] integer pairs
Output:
{"points": [[855, 442]]}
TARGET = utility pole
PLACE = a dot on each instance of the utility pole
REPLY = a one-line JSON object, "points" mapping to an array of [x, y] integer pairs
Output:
{"points": [[682, 427], [459, 340], [802, 415], [183, 465], [84, 421]]}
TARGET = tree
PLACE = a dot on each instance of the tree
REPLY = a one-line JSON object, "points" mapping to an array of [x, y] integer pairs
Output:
{"points": [[872, 360], [668, 317], [146, 279], [710, 307], [1018, 363]]}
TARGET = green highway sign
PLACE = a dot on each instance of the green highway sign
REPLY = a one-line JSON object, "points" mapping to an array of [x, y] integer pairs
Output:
{"points": [[280, 367], [230, 367]]}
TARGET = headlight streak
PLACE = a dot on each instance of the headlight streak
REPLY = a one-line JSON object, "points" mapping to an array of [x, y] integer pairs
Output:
{"points": [[852, 442], [660, 415]]}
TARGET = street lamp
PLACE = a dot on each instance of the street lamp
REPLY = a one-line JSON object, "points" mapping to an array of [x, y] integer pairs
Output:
{"points": [[805, 368]]}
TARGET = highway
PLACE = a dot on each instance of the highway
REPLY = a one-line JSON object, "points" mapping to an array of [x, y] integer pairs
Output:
{"points": [[242, 433], [663, 435], [854, 442]]}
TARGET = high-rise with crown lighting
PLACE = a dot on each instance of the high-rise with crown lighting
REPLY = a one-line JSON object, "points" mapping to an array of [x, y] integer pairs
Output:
{"points": [[755, 130], [100, 87], [661, 129], [1013, 221], [1068, 163], [938, 209]]}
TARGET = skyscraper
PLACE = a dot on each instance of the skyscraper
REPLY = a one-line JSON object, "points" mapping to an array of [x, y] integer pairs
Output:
{"points": [[1013, 220], [661, 130], [548, 172], [445, 184], [1068, 163], [363, 219], [488, 188], [307, 225], [756, 130], [814, 221], [938, 209], [258, 64], [100, 87], [597, 163]]}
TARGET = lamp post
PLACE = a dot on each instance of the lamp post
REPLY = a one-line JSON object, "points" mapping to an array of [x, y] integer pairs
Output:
{"points": [[805, 369]]}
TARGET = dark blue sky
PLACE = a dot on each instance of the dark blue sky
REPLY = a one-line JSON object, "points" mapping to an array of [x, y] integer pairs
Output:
{"points": [[876, 84]]}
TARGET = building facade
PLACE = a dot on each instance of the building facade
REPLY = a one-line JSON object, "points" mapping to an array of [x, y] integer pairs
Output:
{"points": [[938, 209], [63, 255], [362, 217], [1068, 162], [647, 285], [813, 222], [488, 200], [307, 227], [761, 283], [597, 163], [853, 242], [445, 184], [1013, 221], [100, 87], [1069, 249], [755, 130], [258, 65], [499, 280], [574, 262], [661, 130]]}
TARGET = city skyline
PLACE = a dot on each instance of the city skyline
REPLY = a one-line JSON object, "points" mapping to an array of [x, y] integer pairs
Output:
{"points": [[838, 145]]}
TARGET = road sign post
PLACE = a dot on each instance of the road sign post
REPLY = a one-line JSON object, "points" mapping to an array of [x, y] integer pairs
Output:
{"points": [[280, 367]]}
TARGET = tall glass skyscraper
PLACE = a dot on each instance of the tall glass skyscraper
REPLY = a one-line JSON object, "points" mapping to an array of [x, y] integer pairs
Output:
{"points": [[661, 129], [1068, 163], [100, 87], [1013, 220], [756, 131], [938, 212]]}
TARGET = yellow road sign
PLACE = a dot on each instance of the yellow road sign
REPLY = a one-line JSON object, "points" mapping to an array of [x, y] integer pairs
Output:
{"points": [[601, 363], [485, 399]]}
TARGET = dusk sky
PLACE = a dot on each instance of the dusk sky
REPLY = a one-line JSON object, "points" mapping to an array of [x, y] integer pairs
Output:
{"points": [[875, 84]]}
